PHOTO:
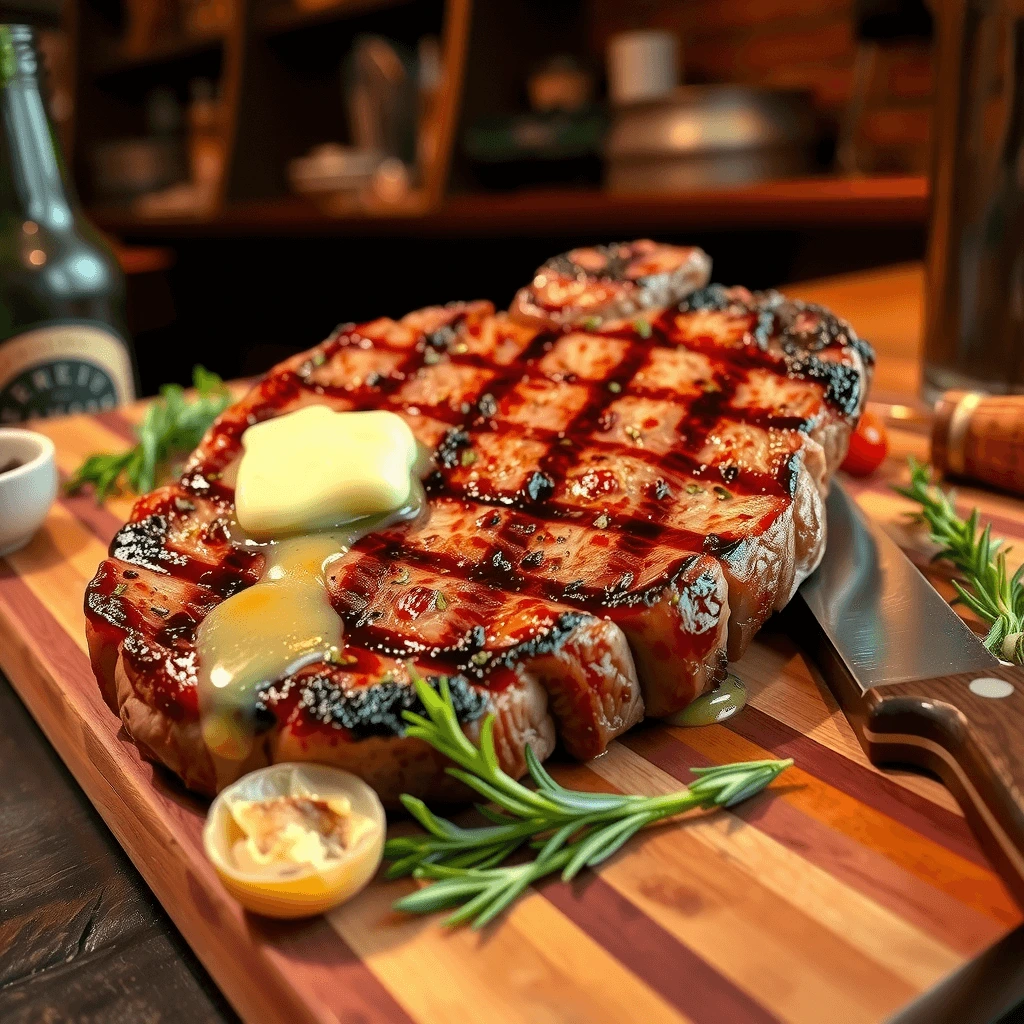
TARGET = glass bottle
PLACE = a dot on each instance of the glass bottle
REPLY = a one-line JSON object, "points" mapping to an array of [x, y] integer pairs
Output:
{"points": [[63, 343]]}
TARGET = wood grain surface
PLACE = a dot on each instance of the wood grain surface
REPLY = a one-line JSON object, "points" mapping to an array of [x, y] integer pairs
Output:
{"points": [[82, 938], [841, 886]]}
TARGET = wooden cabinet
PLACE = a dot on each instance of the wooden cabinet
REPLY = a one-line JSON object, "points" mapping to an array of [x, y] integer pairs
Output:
{"points": [[279, 68]]}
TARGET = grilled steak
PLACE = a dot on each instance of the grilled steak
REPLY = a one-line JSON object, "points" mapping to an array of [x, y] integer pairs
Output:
{"points": [[617, 502], [585, 287]]}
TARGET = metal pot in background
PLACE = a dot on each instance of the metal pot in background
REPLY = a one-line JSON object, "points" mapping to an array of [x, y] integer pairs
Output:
{"points": [[707, 136]]}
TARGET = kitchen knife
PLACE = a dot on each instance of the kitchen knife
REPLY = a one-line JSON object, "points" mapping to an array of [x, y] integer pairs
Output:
{"points": [[916, 684]]}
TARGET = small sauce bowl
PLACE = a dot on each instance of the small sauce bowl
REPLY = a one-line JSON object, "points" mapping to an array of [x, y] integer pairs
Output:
{"points": [[27, 491]]}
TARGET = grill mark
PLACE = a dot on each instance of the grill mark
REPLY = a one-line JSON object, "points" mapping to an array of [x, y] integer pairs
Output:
{"points": [[629, 535], [765, 417], [638, 531], [747, 483], [631, 532], [518, 577], [365, 631], [697, 422], [798, 361]]}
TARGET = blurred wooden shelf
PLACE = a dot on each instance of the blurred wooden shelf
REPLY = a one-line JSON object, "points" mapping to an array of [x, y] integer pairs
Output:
{"points": [[803, 203], [289, 18], [166, 51]]}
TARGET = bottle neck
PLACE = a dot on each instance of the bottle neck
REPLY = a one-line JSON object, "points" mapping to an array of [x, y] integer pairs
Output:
{"points": [[31, 172]]}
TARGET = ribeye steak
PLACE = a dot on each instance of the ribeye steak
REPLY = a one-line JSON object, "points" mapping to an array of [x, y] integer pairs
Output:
{"points": [[628, 476]]}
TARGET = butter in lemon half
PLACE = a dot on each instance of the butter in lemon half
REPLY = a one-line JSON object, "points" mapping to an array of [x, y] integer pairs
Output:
{"points": [[293, 839]]}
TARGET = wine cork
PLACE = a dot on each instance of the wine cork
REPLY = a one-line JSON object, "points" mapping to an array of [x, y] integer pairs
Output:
{"points": [[980, 437]]}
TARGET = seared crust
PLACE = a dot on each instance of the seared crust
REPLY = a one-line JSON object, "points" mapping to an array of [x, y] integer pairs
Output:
{"points": [[604, 283], [611, 509]]}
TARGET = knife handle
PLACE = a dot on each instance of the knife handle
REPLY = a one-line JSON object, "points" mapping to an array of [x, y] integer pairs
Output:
{"points": [[968, 730], [980, 437]]}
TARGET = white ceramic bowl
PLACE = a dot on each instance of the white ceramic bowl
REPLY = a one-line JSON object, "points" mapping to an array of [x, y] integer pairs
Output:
{"points": [[26, 493]]}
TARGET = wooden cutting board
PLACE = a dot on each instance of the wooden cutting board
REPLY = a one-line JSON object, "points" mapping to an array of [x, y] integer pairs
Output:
{"points": [[841, 893]]}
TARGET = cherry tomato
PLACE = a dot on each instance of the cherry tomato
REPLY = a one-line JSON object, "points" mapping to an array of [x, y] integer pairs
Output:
{"points": [[869, 446]]}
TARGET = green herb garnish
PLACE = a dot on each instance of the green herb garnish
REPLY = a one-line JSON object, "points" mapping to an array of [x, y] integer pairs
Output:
{"points": [[642, 327], [568, 829], [8, 58], [173, 425], [987, 588]]}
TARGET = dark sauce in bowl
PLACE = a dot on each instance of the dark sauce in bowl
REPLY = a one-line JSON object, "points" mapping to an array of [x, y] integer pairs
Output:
{"points": [[10, 465]]}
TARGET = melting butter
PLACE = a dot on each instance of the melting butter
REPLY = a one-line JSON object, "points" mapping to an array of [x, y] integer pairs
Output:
{"points": [[314, 469], [307, 490]]}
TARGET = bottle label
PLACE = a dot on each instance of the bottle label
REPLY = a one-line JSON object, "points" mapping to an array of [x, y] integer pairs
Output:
{"points": [[60, 369]]}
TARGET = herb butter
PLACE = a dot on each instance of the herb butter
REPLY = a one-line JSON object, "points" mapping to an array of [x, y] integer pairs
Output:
{"points": [[315, 469]]}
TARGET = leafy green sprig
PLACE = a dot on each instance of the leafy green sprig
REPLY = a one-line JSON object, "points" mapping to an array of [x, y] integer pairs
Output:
{"points": [[988, 589], [173, 425], [569, 829]]}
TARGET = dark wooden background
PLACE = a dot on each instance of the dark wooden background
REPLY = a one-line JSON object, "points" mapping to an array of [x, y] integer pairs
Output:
{"points": [[82, 940]]}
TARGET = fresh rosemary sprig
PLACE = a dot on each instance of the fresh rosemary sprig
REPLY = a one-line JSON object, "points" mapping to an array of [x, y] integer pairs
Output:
{"points": [[173, 425], [996, 597], [569, 829]]}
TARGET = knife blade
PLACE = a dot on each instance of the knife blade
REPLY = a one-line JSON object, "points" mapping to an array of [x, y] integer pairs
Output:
{"points": [[916, 684], [876, 606]]}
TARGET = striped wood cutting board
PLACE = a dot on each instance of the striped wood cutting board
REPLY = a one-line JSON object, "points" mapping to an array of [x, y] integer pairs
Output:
{"points": [[840, 888]]}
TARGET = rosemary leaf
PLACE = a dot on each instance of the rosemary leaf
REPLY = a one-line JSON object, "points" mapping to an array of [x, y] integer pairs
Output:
{"points": [[568, 830], [985, 587], [173, 425]]}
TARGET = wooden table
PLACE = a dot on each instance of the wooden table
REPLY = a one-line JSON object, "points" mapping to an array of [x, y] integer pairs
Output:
{"points": [[81, 938]]}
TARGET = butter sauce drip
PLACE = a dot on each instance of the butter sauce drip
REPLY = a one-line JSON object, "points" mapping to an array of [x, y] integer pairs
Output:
{"points": [[273, 628], [724, 701]]}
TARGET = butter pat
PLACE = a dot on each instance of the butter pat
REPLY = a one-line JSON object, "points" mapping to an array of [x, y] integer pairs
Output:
{"points": [[315, 469], [287, 832]]}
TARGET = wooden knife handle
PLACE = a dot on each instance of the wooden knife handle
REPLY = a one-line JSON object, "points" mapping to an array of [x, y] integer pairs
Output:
{"points": [[969, 730], [980, 437]]}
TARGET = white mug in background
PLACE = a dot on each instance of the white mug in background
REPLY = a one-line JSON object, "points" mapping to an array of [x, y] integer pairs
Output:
{"points": [[642, 65]]}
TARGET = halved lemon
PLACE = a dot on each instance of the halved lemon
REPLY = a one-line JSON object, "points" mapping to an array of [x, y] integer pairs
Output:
{"points": [[293, 840]]}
